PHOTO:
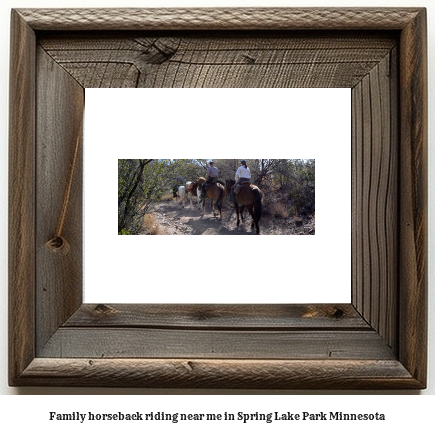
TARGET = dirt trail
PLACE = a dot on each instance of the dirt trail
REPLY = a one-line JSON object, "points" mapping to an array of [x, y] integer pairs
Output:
{"points": [[174, 219]]}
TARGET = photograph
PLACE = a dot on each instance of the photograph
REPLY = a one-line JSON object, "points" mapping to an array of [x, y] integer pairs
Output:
{"points": [[216, 197]]}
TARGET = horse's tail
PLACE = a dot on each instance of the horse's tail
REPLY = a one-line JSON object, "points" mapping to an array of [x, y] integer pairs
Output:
{"points": [[258, 205], [219, 201]]}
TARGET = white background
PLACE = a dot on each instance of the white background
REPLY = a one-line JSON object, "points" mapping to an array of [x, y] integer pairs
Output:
{"points": [[221, 123], [31, 412]]}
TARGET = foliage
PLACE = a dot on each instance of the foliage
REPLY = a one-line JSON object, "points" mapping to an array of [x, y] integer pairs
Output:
{"points": [[140, 184], [296, 181], [285, 183]]}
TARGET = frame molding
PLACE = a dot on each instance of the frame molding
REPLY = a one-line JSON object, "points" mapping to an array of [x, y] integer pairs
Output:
{"points": [[377, 341]]}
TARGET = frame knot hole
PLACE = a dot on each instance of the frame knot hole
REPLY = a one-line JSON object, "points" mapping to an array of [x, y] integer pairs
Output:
{"points": [[338, 313], [58, 244], [249, 59], [159, 51], [102, 309]]}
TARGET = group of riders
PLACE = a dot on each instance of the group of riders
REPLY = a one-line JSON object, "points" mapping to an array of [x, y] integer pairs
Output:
{"points": [[251, 198], [243, 174]]}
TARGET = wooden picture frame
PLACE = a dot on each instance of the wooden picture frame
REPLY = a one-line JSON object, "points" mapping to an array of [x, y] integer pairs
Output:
{"points": [[377, 341]]}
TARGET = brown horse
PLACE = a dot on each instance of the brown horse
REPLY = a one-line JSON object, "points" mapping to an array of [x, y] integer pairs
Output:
{"points": [[251, 197], [215, 193]]}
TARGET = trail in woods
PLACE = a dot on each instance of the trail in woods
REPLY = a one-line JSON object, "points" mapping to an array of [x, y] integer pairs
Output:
{"points": [[175, 219]]}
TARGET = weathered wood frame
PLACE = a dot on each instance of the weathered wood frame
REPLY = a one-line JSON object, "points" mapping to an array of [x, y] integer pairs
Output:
{"points": [[377, 341]]}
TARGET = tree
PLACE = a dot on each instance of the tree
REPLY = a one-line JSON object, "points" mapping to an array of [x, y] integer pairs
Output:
{"points": [[130, 175], [227, 168], [140, 184], [296, 180]]}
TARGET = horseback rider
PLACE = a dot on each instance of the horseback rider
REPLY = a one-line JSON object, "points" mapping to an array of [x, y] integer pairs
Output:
{"points": [[212, 173], [212, 176], [178, 182], [243, 174]]}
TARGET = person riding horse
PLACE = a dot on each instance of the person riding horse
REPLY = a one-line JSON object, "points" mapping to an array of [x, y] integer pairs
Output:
{"points": [[249, 196], [243, 174], [212, 176]]}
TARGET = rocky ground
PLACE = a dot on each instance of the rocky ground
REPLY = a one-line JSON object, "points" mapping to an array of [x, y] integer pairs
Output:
{"points": [[172, 218]]}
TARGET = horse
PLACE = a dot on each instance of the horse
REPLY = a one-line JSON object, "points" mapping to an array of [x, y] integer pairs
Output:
{"points": [[192, 188], [250, 197], [215, 193], [180, 194]]}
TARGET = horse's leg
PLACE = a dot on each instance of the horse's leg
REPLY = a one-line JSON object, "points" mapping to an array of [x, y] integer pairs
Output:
{"points": [[242, 209], [257, 227], [254, 220], [236, 205], [198, 195], [251, 211], [181, 196], [220, 200], [212, 200], [212, 207], [203, 206]]}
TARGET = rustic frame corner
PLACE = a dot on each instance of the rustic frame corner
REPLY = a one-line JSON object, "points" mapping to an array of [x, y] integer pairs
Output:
{"points": [[376, 342]]}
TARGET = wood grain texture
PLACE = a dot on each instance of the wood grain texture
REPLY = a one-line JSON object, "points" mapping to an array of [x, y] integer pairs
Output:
{"points": [[237, 60], [126, 342], [59, 124], [220, 18], [220, 317], [228, 374], [375, 198], [21, 197], [413, 187], [379, 342]]}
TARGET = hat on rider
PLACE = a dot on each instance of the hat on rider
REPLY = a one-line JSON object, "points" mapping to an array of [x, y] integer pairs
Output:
{"points": [[211, 162], [243, 162]]}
